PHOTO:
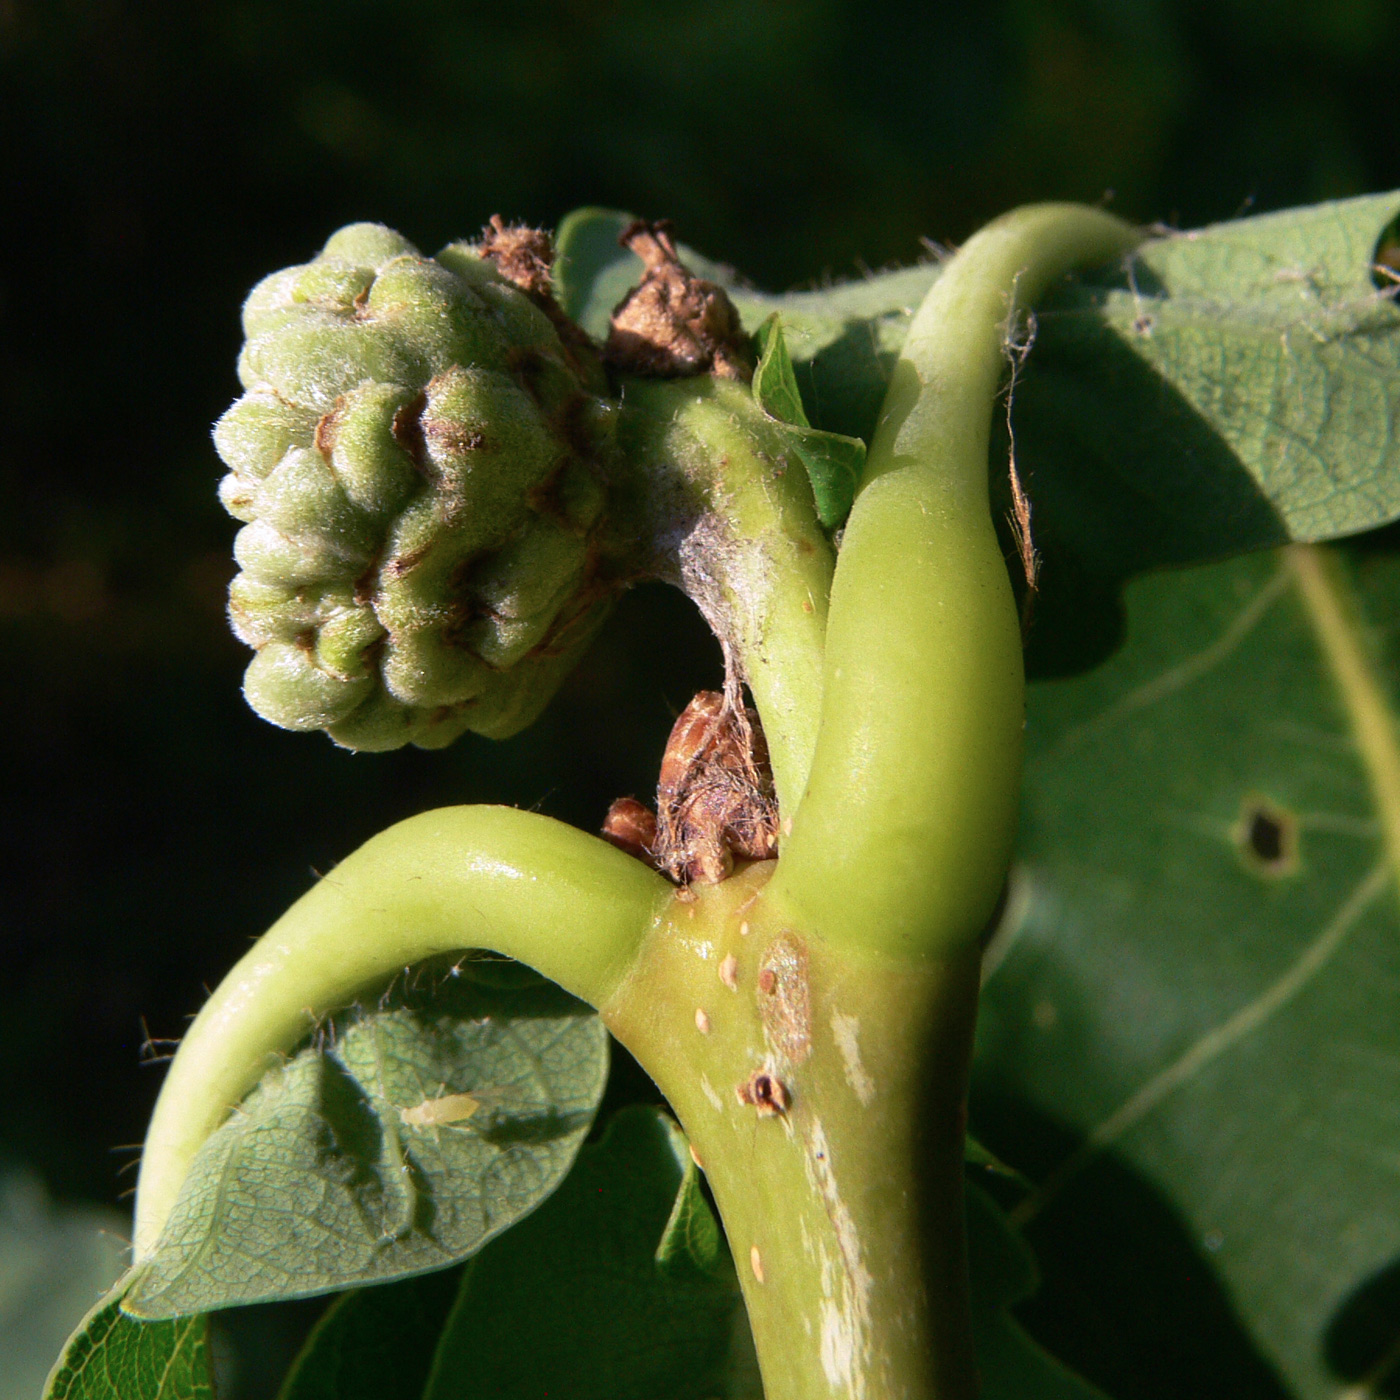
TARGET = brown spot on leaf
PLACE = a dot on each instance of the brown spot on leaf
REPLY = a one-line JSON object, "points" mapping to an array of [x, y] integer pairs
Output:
{"points": [[1266, 836]]}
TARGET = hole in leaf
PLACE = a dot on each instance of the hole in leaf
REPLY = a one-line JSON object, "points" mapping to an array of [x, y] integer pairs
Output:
{"points": [[1267, 837], [1385, 261]]}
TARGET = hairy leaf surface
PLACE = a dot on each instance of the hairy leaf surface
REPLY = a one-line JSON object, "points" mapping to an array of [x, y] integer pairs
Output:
{"points": [[1224, 389], [403, 1140], [1191, 1033]]}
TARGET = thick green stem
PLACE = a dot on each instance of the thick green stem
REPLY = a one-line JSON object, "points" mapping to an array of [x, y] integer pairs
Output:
{"points": [[736, 527], [569, 905], [844, 1209], [910, 809]]}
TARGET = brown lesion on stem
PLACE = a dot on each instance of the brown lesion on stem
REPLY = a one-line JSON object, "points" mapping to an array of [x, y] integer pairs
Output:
{"points": [[715, 799], [674, 323]]}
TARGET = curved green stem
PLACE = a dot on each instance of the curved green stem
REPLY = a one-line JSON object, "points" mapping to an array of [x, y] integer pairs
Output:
{"points": [[736, 527], [902, 840], [569, 905]]}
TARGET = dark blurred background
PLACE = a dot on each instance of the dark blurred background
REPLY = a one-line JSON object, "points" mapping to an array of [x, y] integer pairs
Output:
{"points": [[157, 158]]}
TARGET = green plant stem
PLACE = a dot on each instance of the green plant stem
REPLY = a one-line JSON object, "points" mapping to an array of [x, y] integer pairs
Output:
{"points": [[844, 1212], [569, 905], [734, 524], [902, 841]]}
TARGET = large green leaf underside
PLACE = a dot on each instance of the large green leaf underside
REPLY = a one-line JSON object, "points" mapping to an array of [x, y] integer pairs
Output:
{"points": [[1225, 389], [1191, 1035], [403, 1140], [116, 1357]]}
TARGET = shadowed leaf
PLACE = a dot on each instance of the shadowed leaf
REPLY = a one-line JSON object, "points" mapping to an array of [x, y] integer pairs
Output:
{"points": [[620, 1288], [1199, 979]]}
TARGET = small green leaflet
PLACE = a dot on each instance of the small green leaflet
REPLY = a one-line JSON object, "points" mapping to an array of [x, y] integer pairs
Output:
{"points": [[834, 463], [1011, 1365], [1190, 1031], [402, 1140], [116, 1357]]}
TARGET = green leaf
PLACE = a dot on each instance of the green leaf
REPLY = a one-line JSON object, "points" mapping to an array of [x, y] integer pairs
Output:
{"points": [[774, 384], [1222, 390], [375, 1343], [54, 1261], [1191, 1028], [834, 463], [402, 1140], [116, 1357], [619, 1288], [1011, 1365]]}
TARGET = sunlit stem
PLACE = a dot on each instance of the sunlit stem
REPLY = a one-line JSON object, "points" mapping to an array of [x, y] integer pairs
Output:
{"points": [[902, 841]]}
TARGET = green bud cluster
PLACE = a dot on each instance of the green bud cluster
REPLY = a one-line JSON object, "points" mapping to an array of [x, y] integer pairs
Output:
{"points": [[420, 463]]}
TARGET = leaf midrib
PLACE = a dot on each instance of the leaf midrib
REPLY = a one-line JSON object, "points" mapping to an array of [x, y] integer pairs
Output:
{"points": [[1334, 618], [1333, 614]]}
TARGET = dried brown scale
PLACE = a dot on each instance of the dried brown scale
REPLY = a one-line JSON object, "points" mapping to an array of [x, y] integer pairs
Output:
{"points": [[631, 826], [525, 257], [522, 255], [715, 795], [674, 323]]}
